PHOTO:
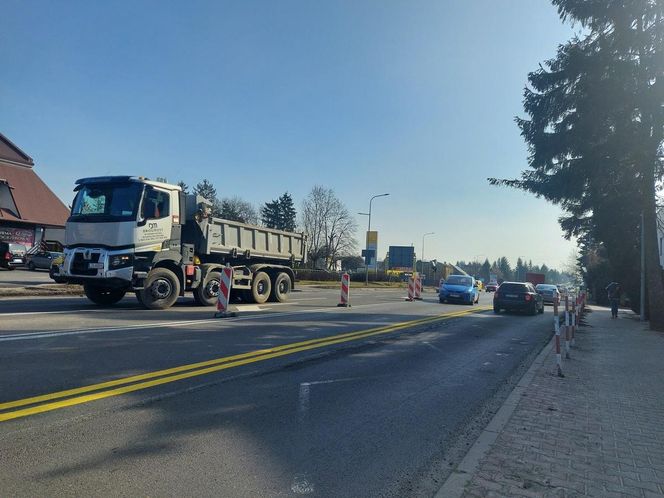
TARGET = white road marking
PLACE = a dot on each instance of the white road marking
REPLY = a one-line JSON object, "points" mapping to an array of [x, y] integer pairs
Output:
{"points": [[433, 347]]}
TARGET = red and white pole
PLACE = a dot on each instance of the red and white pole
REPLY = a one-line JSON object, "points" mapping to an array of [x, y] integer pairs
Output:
{"points": [[225, 284], [411, 289], [574, 320], [418, 288], [345, 291], [567, 326], [556, 327]]}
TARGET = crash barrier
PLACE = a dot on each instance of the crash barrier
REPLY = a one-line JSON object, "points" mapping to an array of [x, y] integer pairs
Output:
{"points": [[224, 295], [411, 289], [418, 288], [345, 291]]}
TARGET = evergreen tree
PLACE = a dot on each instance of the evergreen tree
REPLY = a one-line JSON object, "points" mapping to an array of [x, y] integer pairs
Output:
{"points": [[486, 270], [270, 214], [595, 130], [206, 189], [287, 213], [279, 213], [183, 186]]}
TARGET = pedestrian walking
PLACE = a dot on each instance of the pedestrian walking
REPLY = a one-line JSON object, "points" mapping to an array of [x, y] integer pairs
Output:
{"points": [[614, 291]]}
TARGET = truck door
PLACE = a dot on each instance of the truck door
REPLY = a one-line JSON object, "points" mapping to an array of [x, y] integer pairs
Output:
{"points": [[155, 221]]}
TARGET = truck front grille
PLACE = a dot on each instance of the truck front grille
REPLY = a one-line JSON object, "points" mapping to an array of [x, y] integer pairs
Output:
{"points": [[79, 265]]}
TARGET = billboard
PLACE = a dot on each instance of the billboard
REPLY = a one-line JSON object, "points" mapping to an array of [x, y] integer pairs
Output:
{"points": [[401, 257], [372, 249], [18, 235]]}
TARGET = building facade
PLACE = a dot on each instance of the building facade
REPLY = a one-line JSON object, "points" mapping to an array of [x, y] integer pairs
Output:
{"points": [[29, 211]]}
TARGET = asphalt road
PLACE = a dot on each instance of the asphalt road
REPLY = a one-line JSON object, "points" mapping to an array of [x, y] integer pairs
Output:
{"points": [[21, 276], [300, 398]]}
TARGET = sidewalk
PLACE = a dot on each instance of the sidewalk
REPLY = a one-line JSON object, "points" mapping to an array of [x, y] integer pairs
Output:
{"points": [[597, 432]]}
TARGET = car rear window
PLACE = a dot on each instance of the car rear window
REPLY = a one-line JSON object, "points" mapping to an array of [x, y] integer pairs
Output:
{"points": [[514, 288]]}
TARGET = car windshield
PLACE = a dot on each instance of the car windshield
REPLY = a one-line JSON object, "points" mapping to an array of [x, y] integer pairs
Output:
{"points": [[545, 287], [459, 280], [107, 202]]}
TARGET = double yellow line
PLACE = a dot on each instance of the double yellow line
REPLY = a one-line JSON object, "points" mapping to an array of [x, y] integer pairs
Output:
{"points": [[62, 399]]}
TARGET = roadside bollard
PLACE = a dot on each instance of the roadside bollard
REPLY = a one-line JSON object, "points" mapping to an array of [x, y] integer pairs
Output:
{"points": [[411, 289], [573, 320], [418, 288], [225, 284], [556, 327], [567, 327], [345, 291]]}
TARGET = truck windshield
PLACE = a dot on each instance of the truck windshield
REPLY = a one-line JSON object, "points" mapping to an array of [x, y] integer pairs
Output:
{"points": [[107, 202]]}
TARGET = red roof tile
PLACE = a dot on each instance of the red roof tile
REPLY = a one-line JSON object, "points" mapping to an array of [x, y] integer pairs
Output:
{"points": [[35, 202]]}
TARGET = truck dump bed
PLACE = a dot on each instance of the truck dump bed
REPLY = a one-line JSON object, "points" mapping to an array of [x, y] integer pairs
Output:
{"points": [[235, 238]]}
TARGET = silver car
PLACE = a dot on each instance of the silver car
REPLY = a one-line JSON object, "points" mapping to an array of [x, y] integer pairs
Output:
{"points": [[549, 293], [42, 260]]}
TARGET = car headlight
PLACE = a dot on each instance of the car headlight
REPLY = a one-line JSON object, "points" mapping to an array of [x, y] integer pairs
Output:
{"points": [[121, 261]]}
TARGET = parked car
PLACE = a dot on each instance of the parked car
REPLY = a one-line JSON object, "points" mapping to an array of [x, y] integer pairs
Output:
{"points": [[549, 293], [42, 259], [459, 288], [54, 269], [491, 287], [517, 296], [12, 255]]}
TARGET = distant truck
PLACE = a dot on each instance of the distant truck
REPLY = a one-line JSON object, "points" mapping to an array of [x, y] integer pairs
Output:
{"points": [[535, 278], [130, 234]]}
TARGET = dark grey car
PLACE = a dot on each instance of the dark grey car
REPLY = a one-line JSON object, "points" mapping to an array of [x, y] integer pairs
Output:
{"points": [[42, 260]]}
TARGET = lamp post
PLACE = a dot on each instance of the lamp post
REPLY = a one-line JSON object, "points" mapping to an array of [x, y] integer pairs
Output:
{"points": [[422, 261], [366, 281]]}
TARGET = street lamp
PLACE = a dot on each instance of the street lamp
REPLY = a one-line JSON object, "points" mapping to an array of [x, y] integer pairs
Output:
{"points": [[366, 281], [422, 262]]}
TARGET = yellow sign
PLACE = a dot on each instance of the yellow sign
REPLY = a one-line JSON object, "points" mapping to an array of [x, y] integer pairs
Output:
{"points": [[372, 238]]}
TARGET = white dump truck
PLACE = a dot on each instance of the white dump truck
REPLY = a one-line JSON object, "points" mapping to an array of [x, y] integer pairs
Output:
{"points": [[131, 234]]}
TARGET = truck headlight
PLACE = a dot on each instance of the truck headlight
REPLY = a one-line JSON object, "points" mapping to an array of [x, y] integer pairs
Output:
{"points": [[121, 261]]}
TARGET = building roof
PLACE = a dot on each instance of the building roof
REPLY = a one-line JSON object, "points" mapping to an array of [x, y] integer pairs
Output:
{"points": [[11, 153], [34, 201]]}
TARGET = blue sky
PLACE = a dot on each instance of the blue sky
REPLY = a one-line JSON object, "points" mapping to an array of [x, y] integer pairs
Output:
{"points": [[414, 98]]}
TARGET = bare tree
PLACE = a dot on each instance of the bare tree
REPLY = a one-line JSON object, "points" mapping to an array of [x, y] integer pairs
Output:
{"points": [[329, 226], [237, 209]]}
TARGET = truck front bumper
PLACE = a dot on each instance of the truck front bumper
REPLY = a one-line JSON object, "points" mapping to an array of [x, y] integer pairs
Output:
{"points": [[94, 265]]}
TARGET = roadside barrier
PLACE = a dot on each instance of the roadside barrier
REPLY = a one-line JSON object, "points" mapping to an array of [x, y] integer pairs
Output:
{"points": [[225, 284], [556, 327], [567, 326], [345, 291], [418, 288], [575, 317], [411, 289]]}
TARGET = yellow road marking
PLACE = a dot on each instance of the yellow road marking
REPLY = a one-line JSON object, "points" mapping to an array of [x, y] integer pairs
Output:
{"points": [[165, 376]]}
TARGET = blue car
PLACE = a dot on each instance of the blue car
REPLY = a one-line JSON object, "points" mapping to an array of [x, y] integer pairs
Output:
{"points": [[460, 289]]}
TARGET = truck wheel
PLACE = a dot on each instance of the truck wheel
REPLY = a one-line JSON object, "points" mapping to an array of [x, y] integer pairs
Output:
{"points": [[281, 288], [162, 289], [103, 295], [206, 293], [261, 287]]}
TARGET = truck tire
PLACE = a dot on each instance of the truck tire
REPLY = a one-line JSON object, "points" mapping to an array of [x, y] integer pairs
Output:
{"points": [[206, 293], [261, 287], [103, 296], [281, 288], [161, 289]]}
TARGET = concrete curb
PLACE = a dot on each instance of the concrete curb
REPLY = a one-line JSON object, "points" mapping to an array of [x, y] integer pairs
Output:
{"points": [[455, 485]]}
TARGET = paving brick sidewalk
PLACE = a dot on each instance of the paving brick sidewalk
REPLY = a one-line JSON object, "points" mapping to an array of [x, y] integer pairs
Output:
{"points": [[597, 432]]}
